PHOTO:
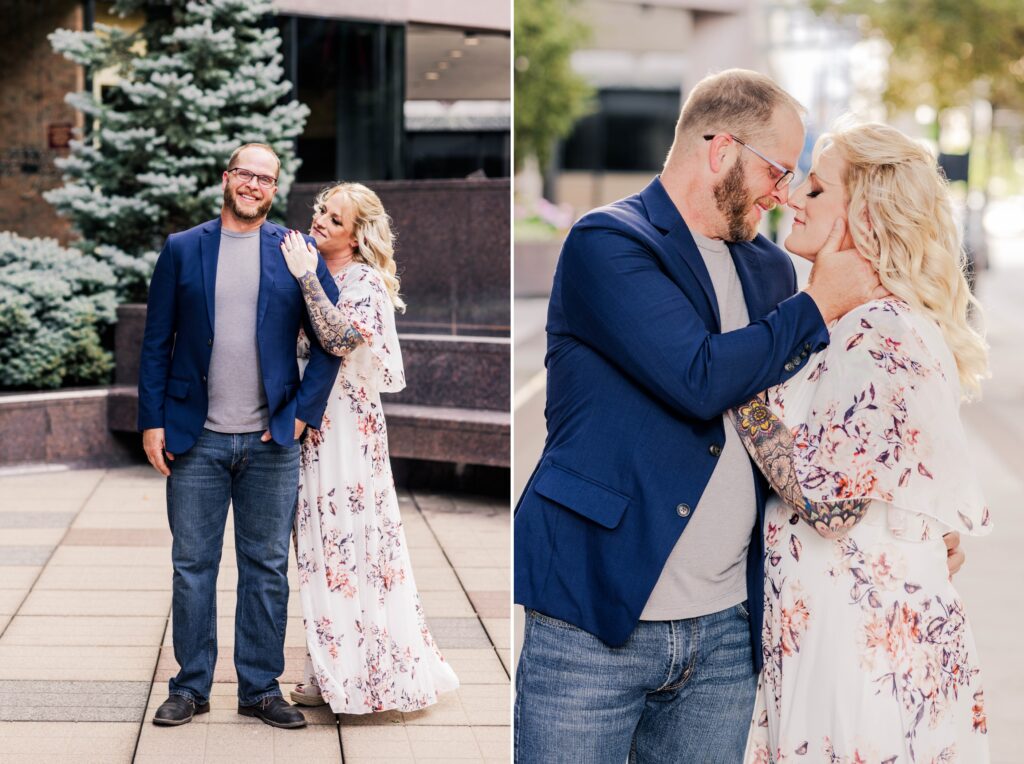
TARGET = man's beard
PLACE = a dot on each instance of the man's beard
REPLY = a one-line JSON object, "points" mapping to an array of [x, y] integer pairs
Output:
{"points": [[732, 198], [231, 201]]}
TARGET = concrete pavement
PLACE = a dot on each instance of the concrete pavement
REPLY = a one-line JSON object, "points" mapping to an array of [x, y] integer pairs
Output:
{"points": [[85, 649]]}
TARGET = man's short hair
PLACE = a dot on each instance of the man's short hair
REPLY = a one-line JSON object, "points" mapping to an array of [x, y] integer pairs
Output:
{"points": [[233, 161], [737, 101]]}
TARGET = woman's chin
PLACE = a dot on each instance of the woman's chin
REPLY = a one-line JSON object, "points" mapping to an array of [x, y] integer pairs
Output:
{"points": [[795, 246]]}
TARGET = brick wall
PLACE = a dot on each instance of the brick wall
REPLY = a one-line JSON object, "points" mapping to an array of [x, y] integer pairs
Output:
{"points": [[32, 89]]}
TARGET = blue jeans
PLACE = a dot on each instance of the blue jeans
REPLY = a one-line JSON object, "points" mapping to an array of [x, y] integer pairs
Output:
{"points": [[676, 692], [261, 481]]}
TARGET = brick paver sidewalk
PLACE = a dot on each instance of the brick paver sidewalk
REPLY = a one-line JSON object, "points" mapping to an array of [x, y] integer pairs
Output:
{"points": [[85, 650]]}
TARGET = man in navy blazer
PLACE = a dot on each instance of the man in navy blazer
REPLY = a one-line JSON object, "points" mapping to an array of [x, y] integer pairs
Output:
{"points": [[221, 409], [638, 537]]}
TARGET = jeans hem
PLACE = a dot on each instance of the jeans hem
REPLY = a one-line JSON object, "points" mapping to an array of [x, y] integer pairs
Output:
{"points": [[261, 698], [189, 695]]}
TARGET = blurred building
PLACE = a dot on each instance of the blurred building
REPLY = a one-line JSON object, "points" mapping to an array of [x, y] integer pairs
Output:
{"points": [[641, 59]]}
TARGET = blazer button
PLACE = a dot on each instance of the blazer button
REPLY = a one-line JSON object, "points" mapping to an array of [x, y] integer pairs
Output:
{"points": [[715, 450], [683, 510], [789, 366], [204, 379], [209, 342]]}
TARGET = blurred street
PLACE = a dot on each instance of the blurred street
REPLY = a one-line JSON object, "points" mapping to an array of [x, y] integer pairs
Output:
{"points": [[990, 581]]}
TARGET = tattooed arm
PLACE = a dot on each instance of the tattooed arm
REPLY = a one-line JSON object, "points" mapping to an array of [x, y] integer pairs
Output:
{"points": [[770, 445], [336, 335]]}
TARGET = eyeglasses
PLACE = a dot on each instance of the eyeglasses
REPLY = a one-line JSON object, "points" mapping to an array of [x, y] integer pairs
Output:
{"points": [[246, 176], [787, 175]]}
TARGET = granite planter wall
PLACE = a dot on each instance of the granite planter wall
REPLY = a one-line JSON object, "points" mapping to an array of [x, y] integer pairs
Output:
{"points": [[455, 407], [67, 427]]}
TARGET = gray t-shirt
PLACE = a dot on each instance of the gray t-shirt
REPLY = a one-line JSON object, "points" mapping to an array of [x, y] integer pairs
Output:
{"points": [[706, 571], [238, 402]]}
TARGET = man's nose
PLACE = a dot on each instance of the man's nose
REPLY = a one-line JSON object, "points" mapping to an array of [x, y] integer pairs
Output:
{"points": [[781, 194]]}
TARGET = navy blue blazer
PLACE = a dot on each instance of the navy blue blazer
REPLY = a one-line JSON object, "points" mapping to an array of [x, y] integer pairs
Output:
{"points": [[638, 376], [179, 337]]}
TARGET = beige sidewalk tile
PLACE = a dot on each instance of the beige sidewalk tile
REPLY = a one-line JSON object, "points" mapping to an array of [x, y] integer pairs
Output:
{"points": [[436, 579], [448, 712], [121, 520], [418, 534], [68, 742], [476, 666], [486, 704], [186, 743], [18, 576], [499, 630], [4, 620], [427, 557], [118, 537], [469, 558], [119, 664], [505, 656], [383, 718], [65, 484], [104, 578], [156, 603], [126, 500], [446, 604], [495, 742], [375, 742], [133, 631], [10, 599], [46, 504], [490, 604], [488, 579], [444, 743], [120, 556], [31, 536]]}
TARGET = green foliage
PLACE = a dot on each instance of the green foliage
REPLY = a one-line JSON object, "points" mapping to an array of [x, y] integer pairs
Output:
{"points": [[549, 95], [197, 80], [55, 304], [944, 52]]}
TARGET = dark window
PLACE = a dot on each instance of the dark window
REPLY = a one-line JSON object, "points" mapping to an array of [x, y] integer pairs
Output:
{"points": [[351, 76], [457, 154], [630, 131]]}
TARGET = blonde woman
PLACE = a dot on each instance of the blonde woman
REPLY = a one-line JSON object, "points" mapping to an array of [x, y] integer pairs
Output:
{"points": [[369, 648], [867, 651]]}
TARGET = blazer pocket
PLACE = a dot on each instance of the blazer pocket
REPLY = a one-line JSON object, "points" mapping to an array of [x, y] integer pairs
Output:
{"points": [[178, 388], [583, 496]]}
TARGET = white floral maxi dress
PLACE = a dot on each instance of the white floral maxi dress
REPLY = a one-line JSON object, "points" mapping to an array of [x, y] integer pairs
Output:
{"points": [[366, 634], [868, 656]]}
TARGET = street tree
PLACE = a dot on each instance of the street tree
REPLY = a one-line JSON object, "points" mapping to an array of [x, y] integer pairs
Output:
{"points": [[549, 95]]}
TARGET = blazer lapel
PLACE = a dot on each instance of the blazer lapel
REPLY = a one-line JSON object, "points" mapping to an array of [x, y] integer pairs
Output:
{"points": [[748, 268], [666, 217], [270, 252], [209, 251]]}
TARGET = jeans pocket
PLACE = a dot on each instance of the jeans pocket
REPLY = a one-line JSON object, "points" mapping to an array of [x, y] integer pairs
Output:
{"points": [[551, 621], [743, 610]]}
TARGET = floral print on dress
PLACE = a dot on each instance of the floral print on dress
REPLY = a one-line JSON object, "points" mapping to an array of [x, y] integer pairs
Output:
{"points": [[365, 630], [868, 654]]}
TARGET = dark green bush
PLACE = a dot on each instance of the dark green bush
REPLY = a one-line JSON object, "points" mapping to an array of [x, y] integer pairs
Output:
{"points": [[55, 304]]}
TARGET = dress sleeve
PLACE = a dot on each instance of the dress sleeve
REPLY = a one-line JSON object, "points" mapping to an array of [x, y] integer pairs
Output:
{"points": [[367, 306], [883, 423]]}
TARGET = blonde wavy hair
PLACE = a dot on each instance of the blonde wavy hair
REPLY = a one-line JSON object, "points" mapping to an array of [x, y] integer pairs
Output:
{"points": [[375, 241], [900, 218]]}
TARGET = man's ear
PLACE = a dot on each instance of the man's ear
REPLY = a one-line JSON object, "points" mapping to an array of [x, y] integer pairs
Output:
{"points": [[718, 150]]}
